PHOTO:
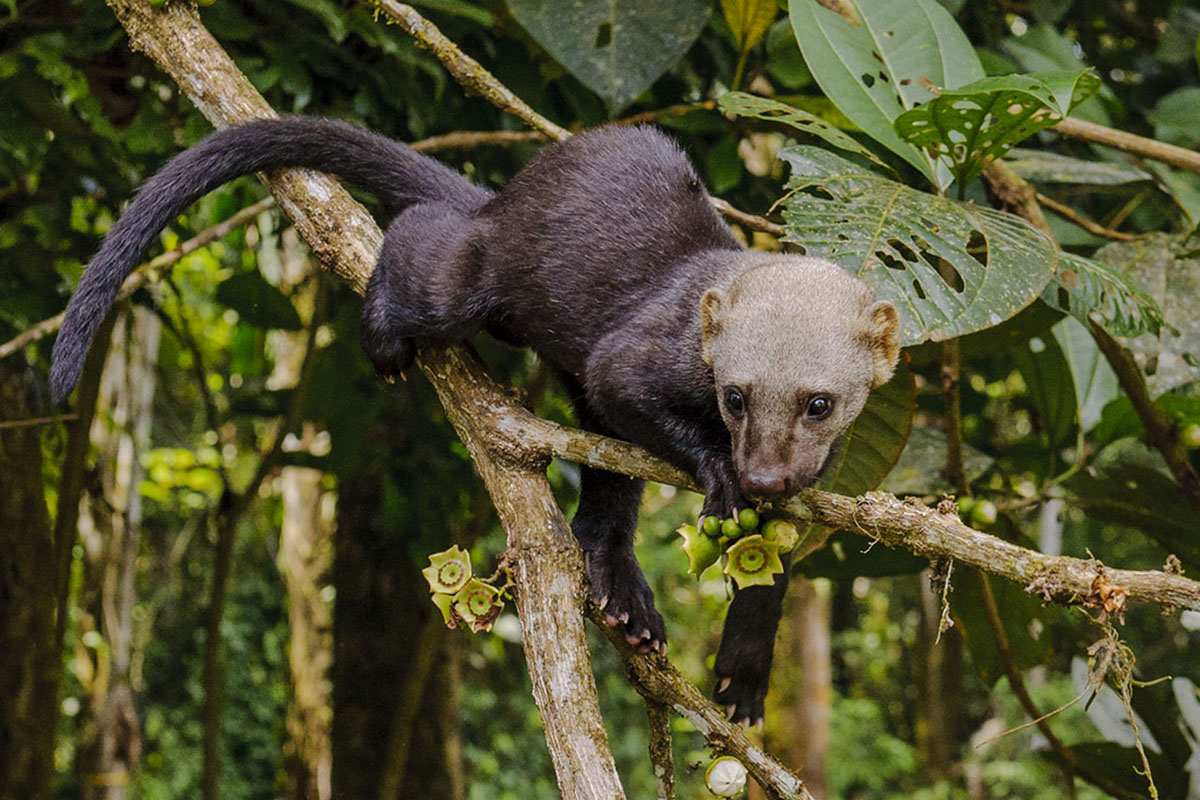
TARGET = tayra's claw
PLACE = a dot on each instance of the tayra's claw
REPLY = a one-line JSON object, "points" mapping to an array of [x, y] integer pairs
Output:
{"points": [[730, 710], [723, 684], [633, 640], [624, 616], [611, 621], [662, 648], [603, 602]]}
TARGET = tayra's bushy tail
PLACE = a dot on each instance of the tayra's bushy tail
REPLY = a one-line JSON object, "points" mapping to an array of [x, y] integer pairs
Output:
{"points": [[393, 172]]}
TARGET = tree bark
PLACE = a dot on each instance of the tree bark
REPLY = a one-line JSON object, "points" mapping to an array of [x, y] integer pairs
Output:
{"points": [[28, 580]]}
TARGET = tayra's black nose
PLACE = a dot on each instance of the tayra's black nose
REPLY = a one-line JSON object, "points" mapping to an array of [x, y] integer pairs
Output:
{"points": [[763, 487]]}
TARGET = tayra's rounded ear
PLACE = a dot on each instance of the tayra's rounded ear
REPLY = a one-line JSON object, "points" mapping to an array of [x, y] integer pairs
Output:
{"points": [[711, 306], [881, 333]]}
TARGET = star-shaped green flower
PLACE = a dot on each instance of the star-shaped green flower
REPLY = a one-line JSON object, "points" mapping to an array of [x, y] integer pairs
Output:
{"points": [[478, 604], [448, 571], [702, 551], [753, 561]]}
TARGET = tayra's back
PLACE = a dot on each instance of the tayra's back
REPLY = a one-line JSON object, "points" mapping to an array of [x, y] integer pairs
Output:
{"points": [[591, 228]]}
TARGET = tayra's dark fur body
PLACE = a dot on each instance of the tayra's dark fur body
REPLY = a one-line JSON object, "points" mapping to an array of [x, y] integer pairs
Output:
{"points": [[597, 255]]}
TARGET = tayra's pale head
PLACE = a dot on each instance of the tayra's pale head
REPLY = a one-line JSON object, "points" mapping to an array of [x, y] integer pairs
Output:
{"points": [[795, 344]]}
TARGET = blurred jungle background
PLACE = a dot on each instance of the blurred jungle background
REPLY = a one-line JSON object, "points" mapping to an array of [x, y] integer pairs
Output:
{"points": [[211, 563]]}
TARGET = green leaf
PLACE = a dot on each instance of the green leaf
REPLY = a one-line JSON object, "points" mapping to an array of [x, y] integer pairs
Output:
{"points": [[1095, 382], [1143, 498], [875, 439], [1176, 116], [1042, 365], [616, 48], [867, 454], [874, 71], [971, 127], [1169, 271], [258, 302], [1044, 166], [1018, 610], [749, 20], [950, 268], [748, 105], [921, 467], [1123, 766], [1089, 289]]}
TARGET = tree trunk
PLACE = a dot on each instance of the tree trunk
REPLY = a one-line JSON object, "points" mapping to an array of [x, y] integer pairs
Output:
{"points": [[110, 529], [382, 607], [28, 580], [801, 699], [305, 558]]}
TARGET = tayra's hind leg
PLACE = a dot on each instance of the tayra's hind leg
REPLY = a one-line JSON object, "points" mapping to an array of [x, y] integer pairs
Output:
{"points": [[425, 287], [605, 524]]}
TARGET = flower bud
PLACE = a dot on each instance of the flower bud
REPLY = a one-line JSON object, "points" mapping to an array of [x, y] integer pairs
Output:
{"points": [[725, 777], [783, 533]]}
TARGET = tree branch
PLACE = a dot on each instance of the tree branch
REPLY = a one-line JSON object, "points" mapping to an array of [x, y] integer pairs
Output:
{"points": [[1130, 143], [546, 563]]}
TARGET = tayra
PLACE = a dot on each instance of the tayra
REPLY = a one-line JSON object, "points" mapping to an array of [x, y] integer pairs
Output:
{"points": [[605, 256]]}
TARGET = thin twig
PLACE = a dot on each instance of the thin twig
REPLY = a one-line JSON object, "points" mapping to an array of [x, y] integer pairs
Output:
{"points": [[33, 422], [146, 273], [658, 716], [1017, 684], [1160, 428], [474, 78], [1070, 214], [1130, 143]]}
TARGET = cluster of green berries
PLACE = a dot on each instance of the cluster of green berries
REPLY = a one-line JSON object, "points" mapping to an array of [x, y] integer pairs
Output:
{"points": [[751, 555], [460, 597], [980, 513]]}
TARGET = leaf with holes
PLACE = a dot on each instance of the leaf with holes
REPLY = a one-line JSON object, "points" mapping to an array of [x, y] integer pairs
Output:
{"points": [[1168, 269], [950, 268], [873, 71], [970, 127], [616, 48], [749, 105], [1089, 289], [749, 20]]}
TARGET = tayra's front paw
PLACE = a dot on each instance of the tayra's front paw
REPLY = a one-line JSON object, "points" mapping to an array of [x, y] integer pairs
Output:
{"points": [[390, 355], [621, 592], [742, 674]]}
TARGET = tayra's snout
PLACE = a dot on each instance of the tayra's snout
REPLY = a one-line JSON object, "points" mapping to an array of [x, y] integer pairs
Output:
{"points": [[764, 486]]}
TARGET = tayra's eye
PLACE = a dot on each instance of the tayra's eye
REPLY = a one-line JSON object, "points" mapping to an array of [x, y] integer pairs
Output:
{"points": [[734, 402], [819, 407]]}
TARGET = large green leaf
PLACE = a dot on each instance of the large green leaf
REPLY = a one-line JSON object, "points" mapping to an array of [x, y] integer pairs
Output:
{"points": [[870, 450], [258, 302], [614, 47], [1044, 166], [1018, 610], [1042, 364], [1095, 382], [1146, 499], [874, 71], [875, 439], [950, 268], [749, 105], [1168, 269], [921, 468], [971, 127], [1123, 766], [1088, 289]]}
